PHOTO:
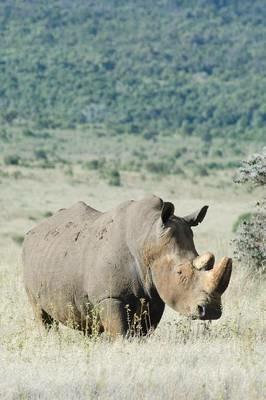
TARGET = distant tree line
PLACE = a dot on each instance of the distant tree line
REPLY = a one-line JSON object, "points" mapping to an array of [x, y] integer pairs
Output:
{"points": [[144, 67]]}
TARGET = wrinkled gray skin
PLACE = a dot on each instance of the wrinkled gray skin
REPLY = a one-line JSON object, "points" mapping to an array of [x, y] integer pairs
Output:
{"points": [[115, 271]]}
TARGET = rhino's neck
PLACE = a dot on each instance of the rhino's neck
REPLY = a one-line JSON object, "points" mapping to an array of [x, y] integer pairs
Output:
{"points": [[151, 251], [141, 228], [140, 266], [143, 276], [144, 257]]}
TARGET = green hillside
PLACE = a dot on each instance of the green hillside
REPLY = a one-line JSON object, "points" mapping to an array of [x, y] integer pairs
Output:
{"points": [[140, 67]]}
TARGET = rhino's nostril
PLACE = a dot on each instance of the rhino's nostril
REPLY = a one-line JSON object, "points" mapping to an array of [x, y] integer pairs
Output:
{"points": [[202, 311]]}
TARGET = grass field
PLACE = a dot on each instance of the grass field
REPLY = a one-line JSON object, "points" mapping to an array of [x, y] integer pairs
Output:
{"points": [[183, 359]]}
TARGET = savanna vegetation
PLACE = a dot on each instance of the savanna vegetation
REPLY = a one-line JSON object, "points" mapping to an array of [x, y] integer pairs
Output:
{"points": [[160, 86], [183, 359], [108, 100]]}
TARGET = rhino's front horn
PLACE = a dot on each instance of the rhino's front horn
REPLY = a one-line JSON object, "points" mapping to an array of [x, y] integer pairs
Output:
{"points": [[220, 275]]}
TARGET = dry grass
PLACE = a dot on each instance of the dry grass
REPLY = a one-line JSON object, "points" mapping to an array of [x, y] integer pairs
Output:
{"points": [[183, 359]]}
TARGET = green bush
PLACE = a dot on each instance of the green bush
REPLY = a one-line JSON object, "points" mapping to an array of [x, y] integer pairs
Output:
{"points": [[250, 241], [178, 171], [5, 136], [214, 165], [158, 167], [95, 164], [218, 153], [202, 171], [28, 133], [46, 164], [178, 153], [12, 159], [232, 164], [150, 135], [47, 214], [18, 239], [114, 178], [250, 237], [40, 154]]}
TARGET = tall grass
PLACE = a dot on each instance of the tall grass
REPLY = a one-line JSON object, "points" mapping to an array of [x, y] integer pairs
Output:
{"points": [[183, 359]]}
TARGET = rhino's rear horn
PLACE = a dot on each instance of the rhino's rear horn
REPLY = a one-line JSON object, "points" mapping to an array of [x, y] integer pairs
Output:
{"points": [[204, 262]]}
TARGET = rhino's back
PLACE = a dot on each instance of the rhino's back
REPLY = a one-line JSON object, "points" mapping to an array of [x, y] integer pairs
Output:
{"points": [[52, 255], [63, 224]]}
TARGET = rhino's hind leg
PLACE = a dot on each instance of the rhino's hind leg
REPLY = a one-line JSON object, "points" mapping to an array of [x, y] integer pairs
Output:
{"points": [[41, 316]]}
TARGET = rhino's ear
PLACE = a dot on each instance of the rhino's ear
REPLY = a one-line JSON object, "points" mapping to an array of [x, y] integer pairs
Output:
{"points": [[168, 209], [197, 217]]}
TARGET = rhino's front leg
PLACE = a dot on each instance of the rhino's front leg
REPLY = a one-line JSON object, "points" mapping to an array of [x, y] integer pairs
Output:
{"points": [[114, 318]]}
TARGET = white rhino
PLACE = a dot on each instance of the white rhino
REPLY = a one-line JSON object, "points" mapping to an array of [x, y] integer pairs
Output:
{"points": [[115, 271]]}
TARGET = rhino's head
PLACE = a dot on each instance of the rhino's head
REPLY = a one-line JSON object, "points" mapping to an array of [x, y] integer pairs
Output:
{"points": [[189, 283]]}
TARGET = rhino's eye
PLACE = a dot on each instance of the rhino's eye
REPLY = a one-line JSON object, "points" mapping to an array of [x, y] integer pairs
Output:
{"points": [[179, 272]]}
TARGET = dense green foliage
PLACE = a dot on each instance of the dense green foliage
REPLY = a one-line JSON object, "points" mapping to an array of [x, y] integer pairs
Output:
{"points": [[139, 66]]}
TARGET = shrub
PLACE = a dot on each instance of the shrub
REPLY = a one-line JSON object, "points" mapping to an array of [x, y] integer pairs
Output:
{"points": [[10, 116], [47, 214], [46, 164], [201, 170], [5, 135], [178, 171], [232, 164], [140, 153], [95, 164], [28, 133], [249, 243], [114, 178], [12, 159], [18, 239], [253, 170], [40, 154], [214, 165], [150, 135], [178, 153], [218, 153], [158, 167], [207, 138]]}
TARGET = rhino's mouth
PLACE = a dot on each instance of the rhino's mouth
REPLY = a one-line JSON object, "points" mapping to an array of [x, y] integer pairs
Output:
{"points": [[208, 312]]}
